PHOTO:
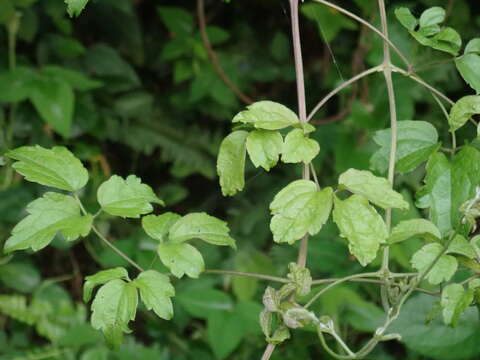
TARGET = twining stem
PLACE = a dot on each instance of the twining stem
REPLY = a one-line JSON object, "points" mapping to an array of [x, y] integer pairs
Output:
{"points": [[246, 274], [268, 352]]}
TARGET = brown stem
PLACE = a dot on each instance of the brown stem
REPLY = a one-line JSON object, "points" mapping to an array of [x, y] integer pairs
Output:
{"points": [[268, 352]]}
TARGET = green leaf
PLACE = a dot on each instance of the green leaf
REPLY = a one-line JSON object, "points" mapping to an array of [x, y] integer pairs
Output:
{"points": [[77, 80], [299, 208], [101, 278], [468, 66], [16, 85], [473, 47], [447, 39], [56, 167], [443, 270], [231, 163], [115, 304], [75, 7], [202, 302], [54, 100], [176, 19], [20, 276], [406, 18], [411, 228], [417, 140], [225, 331], [201, 226], [126, 198], [463, 110], [432, 16], [267, 115], [455, 300], [461, 246], [155, 292], [49, 215], [181, 259], [361, 225], [157, 227], [376, 189], [299, 148], [264, 148]]}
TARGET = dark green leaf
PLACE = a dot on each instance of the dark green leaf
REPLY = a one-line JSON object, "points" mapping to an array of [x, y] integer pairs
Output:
{"points": [[75, 7]]}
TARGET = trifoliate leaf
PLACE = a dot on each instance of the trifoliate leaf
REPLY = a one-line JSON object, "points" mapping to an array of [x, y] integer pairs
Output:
{"points": [[361, 225], [463, 110], [155, 292], [298, 209], [51, 214], [443, 270], [100, 278], [376, 189], [56, 167], [181, 259], [201, 226], [406, 18], [75, 7], [411, 228], [455, 300], [267, 115], [264, 148], [157, 227], [231, 163], [299, 148], [461, 246], [126, 198], [468, 66]]}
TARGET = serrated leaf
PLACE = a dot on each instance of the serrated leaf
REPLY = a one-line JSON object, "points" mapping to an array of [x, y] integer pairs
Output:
{"points": [[299, 148], [406, 18], [100, 278], [468, 66], [361, 225], [463, 110], [376, 189], [432, 16], [157, 227], [443, 270], [56, 167], [267, 115], [455, 300], [201, 226], [231, 163], [126, 198], [264, 148], [75, 7], [181, 259], [51, 214], [299, 208], [461, 246], [155, 292], [411, 228]]}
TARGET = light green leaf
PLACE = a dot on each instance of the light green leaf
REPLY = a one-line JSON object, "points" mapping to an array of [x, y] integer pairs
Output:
{"points": [[447, 39], [115, 304], [201, 226], [56, 167], [157, 227], [463, 110], [376, 189], [156, 291], [267, 115], [361, 225], [299, 148], [432, 16], [231, 163], [461, 246], [126, 198], [411, 228], [443, 270], [75, 7], [468, 66], [51, 214], [406, 18], [264, 148], [299, 208], [473, 47], [416, 141], [100, 278], [455, 300], [181, 259]]}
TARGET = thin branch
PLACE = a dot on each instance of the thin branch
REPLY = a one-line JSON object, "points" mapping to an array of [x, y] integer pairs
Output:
{"points": [[213, 56], [252, 275], [268, 352]]}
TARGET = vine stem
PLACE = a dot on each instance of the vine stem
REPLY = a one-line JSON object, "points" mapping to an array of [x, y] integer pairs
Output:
{"points": [[252, 275], [268, 352]]}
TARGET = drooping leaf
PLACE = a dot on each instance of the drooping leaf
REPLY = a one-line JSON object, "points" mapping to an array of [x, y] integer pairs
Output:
{"points": [[126, 198], [298, 209], [461, 246], [361, 225], [462, 110], [155, 292], [56, 167], [157, 227], [101, 278], [231, 163], [201, 226], [406, 18], [411, 228], [75, 7], [267, 115], [455, 300], [443, 270], [299, 148], [468, 65], [181, 259], [264, 148], [417, 140], [49, 215], [376, 189]]}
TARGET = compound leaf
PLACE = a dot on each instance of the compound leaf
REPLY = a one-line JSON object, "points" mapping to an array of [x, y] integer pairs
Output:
{"points": [[264, 148], [299, 148]]}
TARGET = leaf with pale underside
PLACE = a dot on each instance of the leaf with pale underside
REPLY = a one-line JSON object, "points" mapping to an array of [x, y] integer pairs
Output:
{"points": [[155, 292], [443, 270], [267, 115], [414, 228], [181, 259], [231, 163], [299, 148], [157, 226], [264, 147]]}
